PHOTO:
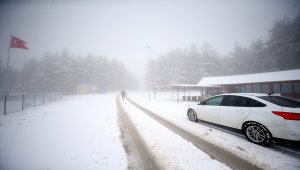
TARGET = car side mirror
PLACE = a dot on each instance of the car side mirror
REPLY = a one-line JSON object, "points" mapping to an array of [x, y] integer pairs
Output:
{"points": [[201, 103]]}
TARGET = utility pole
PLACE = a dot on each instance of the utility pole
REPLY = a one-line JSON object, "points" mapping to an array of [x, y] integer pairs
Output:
{"points": [[1, 85], [149, 57], [1, 77]]}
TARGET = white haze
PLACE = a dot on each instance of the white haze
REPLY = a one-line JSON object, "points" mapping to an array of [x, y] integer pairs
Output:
{"points": [[124, 29]]}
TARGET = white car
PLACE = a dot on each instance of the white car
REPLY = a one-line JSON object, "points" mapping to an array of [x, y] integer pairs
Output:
{"points": [[261, 117]]}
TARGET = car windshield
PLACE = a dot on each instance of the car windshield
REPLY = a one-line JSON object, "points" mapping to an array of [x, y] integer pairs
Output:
{"points": [[282, 101]]}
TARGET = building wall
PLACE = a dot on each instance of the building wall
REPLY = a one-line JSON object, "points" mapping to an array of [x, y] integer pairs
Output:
{"points": [[83, 89], [288, 89]]}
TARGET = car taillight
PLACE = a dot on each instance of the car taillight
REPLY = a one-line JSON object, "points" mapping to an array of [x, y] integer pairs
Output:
{"points": [[288, 115]]}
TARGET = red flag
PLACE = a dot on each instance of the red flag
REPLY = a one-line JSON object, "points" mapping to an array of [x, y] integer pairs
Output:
{"points": [[17, 43]]}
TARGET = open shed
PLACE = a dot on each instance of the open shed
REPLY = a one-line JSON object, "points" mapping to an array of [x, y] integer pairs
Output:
{"points": [[190, 92]]}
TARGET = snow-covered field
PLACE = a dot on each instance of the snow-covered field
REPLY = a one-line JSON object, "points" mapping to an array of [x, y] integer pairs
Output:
{"points": [[176, 113], [80, 132]]}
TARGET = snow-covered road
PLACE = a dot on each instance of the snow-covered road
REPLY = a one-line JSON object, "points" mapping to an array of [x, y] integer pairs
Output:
{"points": [[214, 151], [139, 155], [170, 150], [82, 132]]}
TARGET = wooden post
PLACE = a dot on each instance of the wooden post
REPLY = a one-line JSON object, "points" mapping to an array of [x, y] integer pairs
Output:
{"points": [[172, 94], [200, 93], [293, 90], [177, 94]]}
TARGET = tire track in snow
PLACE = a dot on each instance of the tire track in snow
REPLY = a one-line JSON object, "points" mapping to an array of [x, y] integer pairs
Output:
{"points": [[139, 157], [214, 151]]}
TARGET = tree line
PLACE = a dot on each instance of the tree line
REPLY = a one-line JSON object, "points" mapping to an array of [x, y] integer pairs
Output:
{"points": [[64, 73], [280, 52]]}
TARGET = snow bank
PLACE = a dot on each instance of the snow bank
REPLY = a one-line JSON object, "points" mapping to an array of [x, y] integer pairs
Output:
{"points": [[80, 132]]}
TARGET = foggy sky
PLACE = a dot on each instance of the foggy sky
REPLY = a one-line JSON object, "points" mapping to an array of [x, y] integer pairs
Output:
{"points": [[123, 29]]}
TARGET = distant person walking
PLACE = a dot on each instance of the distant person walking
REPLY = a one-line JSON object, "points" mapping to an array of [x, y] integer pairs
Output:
{"points": [[123, 94]]}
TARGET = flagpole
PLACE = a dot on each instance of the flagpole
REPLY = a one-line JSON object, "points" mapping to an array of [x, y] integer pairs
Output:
{"points": [[6, 75]]}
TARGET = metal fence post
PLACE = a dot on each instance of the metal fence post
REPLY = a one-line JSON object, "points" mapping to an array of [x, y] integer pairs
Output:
{"points": [[23, 102], [53, 98], [33, 100], [5, 98]]}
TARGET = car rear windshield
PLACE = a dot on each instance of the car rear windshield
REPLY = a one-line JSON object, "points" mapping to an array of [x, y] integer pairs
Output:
{"points": [[281, 101]]}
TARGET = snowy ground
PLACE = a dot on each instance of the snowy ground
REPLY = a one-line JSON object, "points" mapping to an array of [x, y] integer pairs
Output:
{"points": [[80, 132], [176, 113]]}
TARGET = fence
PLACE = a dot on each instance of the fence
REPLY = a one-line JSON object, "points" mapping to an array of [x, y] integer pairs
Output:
{"points": [[16, 102]]}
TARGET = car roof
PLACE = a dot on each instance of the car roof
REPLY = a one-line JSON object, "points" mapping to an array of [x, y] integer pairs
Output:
{"points": [[246, 94]]}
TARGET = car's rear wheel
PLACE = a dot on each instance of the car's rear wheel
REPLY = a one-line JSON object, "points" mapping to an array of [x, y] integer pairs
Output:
{"points": [[257, 133], [192, 115]]}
